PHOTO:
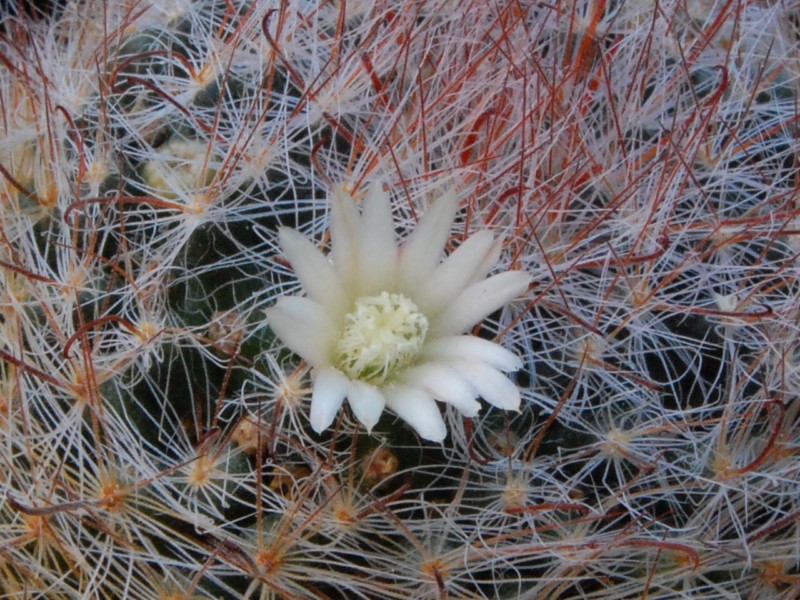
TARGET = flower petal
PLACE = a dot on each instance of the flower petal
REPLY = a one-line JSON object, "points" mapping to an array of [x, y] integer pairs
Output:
{"points": [[474, 348], [345, 224], [313, 270], [479, 300], [445, 384], [489, 260], [423, 248], [330, 388], [377, 251], [494, 387], [466, 265], [418, 409], [303, 326], [367, 403]]}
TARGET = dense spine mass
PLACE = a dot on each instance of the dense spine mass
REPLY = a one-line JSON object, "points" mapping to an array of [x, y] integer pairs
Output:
{"points": [[638, 162]]}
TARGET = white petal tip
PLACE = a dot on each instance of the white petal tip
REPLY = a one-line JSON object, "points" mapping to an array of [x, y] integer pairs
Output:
{"points": [[434, 436], [417, 408], [473, 410], [432, 432], [367, 403], [330, 389]]}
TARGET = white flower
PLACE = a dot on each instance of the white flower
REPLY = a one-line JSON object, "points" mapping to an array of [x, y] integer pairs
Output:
{"points": [[384, 326]]}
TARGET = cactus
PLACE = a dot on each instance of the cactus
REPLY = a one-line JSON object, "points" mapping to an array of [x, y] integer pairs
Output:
{"points": [[635, 163]]}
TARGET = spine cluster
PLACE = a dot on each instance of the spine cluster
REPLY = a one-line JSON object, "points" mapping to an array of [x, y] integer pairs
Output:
{"points": [[639, 162]]}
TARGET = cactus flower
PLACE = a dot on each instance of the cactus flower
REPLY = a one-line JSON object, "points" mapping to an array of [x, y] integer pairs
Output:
{"points": [[384, 325]]}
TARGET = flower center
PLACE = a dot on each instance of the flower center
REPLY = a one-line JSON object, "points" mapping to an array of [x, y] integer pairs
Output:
{"points": [[382, 335]]}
